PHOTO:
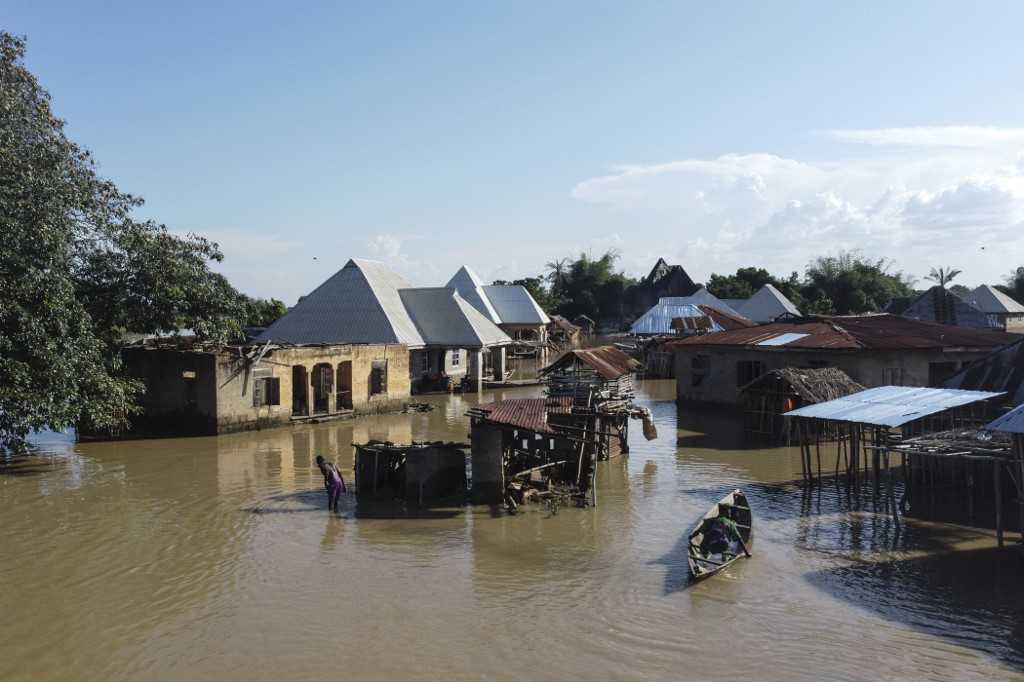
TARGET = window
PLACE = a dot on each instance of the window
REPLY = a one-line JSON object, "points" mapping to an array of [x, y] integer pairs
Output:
{"points": [[379, 377], [699, 365], [892, 376], [456, 357], [266, 390], [747, 371]]}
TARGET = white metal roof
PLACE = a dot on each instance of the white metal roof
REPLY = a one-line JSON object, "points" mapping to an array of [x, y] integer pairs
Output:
{"points": [[471, 288], [1011, 422], [767, 304], [990, 300], [358, 304], [782, 339], [891, 405], [658, 320], [444, 318], [514, 304], [701, 297]]}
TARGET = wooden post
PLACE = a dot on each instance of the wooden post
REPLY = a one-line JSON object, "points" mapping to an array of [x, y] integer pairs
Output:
{"points": [[1018, 441], [997, 465]]}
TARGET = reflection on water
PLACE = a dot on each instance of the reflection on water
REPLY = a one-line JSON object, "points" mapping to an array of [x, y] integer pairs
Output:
{"points": [[208, 558]]}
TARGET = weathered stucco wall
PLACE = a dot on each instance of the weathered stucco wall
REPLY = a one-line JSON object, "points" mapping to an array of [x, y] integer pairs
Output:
{"points": [[721, 374], [235, 407]]}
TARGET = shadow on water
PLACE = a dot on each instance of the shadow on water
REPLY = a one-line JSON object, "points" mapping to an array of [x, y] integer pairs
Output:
{"points": [[973, 598], [315, 501]]}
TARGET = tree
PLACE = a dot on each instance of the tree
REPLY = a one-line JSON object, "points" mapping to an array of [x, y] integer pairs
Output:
{"points": [[77, 271], [1014, 287], [262, 312], [942, 276], [748, 281], [556, 273], [853, 284], [591, 287]]}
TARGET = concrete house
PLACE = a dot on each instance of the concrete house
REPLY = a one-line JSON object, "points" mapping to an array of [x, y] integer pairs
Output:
{"points": [[874, 350], [366, 303], [197, 390], [1005, 313]]}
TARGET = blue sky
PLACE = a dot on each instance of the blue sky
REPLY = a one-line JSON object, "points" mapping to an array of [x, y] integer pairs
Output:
{"points": [[503, 135]]}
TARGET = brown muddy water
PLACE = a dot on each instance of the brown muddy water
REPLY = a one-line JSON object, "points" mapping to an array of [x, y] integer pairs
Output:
{"points": [[214, 559]]}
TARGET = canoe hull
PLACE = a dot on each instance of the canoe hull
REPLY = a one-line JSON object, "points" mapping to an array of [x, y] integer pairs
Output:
{"points": [[736, 506]]}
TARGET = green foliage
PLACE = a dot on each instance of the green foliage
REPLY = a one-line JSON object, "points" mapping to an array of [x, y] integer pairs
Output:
{"points": [[588, 286], [747, 281], [262, 312], [943, 276], [77, 272], [1014, 287], [853, 284]]}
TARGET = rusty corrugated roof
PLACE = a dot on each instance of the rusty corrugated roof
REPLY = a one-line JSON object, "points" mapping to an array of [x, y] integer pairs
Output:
{"points": [[526, 413], [725, 320], [854, 332], [608, 361]]}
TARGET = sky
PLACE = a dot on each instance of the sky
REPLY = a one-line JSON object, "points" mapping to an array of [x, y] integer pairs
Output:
{"points": [[505, 135]]}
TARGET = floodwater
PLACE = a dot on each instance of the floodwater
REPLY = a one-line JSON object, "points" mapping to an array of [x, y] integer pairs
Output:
{"points": [[214, 559]]}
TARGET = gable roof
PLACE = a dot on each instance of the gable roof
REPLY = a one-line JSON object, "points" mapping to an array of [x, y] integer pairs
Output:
{"points": [[767, 304], [990, 300], [658, 320], [608, 361], [852, 332], [514, 304], [702, 297], [444, 318], [940, 305], [1011, 422], [358, 304], [500, 303], [471, 288]]}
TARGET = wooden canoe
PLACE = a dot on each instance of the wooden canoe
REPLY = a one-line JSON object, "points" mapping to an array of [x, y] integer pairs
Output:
{"points": [[736, 507]]}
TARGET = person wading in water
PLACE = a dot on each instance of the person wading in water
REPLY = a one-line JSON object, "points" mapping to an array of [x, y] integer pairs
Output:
{"points": [[333, 481]]}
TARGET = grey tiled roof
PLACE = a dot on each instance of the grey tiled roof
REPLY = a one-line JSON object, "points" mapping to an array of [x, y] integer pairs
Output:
{"points": [[358, 304], [471, 288], [444, 318], [515, 305]]}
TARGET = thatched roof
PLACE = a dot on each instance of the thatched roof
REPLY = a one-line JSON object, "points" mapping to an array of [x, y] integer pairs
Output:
{"points": [[812, 385]]}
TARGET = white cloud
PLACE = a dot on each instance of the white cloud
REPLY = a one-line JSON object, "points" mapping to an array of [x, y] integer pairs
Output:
{"points": [[714, 215], [935, 136]]}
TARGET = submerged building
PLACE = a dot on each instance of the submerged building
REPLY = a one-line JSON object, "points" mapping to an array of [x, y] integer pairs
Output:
{"points": [[874, 350], [663, 281]]}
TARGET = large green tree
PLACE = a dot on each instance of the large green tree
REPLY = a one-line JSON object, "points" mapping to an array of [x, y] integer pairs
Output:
{"points": [[747, 281], [589, 286], [1014, 286], [850, 283], [78, 271]]}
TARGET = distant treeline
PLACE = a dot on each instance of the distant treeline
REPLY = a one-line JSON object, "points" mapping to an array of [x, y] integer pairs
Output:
{"points": [[846, 283]]}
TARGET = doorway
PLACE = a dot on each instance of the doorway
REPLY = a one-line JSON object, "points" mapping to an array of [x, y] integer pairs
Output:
{"points": [[344, 395], [299, 381], [323, 387]]}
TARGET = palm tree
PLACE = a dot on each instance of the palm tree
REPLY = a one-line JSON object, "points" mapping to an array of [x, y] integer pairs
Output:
{"points": [[943, 276], [556, 275]]}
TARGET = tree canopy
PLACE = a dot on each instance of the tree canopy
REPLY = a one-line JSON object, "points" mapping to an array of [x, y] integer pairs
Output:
{"points": [[1014, 286], [78, 271]]}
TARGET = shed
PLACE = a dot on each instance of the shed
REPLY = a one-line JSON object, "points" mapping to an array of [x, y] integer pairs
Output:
{"points": [[768, 397]]}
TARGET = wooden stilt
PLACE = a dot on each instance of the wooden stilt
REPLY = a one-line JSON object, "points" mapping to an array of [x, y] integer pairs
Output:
{"points": [[999, 501]]}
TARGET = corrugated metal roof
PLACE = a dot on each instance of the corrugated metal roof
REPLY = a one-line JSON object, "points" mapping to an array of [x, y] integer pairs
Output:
{"points": [[658, 320], [526, 413], [991, 300], [1002, 370], [726, 321], [471, 288], [514, 304], [782, 339], [701, 297], [444, 318], [358, 304], [767, 304], [939, 305], [608, 361], [875, 332], [891, 405], [1011, 422]]}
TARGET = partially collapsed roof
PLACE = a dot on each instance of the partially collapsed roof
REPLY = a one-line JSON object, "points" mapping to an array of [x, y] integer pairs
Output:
{"points": [[608, 361], [990, 300], [365, 302], [358, 304], [1011, 422], [726, 320], [500, 303], [812, 385], [658, 320], [890, 405], [444, 318], [1002, 370]]}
